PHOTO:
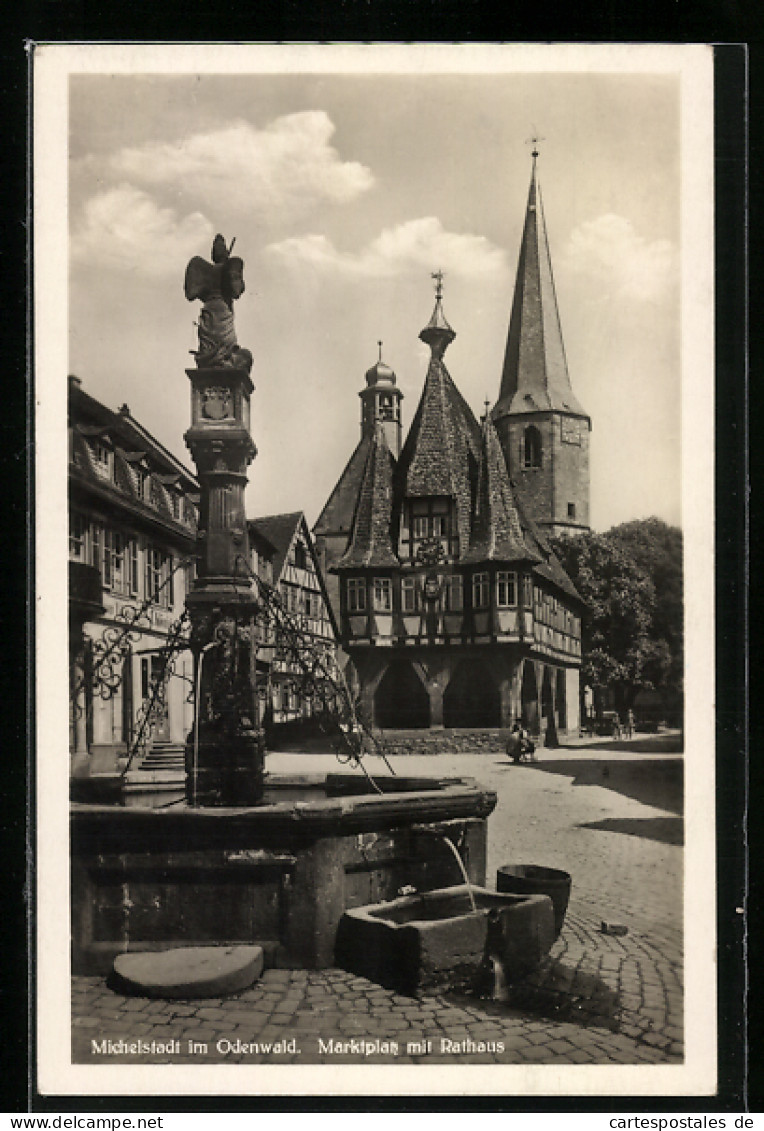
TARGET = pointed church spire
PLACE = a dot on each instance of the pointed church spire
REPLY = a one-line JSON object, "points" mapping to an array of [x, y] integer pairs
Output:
{"points": [[535, 375]]}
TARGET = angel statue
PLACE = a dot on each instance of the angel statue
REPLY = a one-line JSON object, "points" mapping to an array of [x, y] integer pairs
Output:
{"points": [[218, 285]]}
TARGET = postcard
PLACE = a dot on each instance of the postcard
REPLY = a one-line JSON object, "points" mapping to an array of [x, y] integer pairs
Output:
{"points": [[375, 444]]}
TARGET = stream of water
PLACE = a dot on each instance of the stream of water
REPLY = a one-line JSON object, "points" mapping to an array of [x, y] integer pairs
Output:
{"points": [[462, 869]]}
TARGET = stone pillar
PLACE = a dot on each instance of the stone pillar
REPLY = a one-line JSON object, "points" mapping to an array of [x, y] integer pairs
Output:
{"points": [[370, 668], [539, 672], [435, 677], [572, 692], [225, 751], [435, 692], [505, 670], [80, 766]]}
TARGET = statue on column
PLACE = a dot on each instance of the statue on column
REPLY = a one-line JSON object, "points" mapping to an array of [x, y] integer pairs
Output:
{"points": [[218, 285]]}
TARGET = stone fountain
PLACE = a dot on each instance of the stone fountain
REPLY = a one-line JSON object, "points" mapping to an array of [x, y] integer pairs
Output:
{"points": [[253, 858], [225, 753]]}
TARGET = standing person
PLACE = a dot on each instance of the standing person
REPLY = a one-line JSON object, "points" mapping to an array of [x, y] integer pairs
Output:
{"points": [[616, 725], [629, 723]]}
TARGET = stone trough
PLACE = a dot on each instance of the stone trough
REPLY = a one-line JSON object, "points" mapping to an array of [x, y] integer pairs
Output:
{"points": [[279, 875], [436, 939]]}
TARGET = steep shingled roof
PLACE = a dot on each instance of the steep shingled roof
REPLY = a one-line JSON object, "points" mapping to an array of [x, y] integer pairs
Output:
{"points": [[442, 450], [339, 509], [549, 565], [370, 542], [497, 533], [535, 375], [279, 530]]}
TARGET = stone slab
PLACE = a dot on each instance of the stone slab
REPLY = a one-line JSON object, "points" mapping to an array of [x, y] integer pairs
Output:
{"points": [[189, 971]]}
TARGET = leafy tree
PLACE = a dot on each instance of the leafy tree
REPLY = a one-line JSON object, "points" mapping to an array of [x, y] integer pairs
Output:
{"points": [[657, 548], [631, 580]]}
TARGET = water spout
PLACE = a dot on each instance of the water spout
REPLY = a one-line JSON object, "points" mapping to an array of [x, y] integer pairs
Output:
{"points": [[491, 981], [455, 852], [462, 869]]}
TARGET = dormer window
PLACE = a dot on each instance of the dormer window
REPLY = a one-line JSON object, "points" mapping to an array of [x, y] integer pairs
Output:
{"points": [[142, 483], [431, 528], [103, 460], [531, 447]]}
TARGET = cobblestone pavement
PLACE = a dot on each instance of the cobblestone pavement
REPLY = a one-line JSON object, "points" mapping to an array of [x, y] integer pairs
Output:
{"points": [[610, 816]]}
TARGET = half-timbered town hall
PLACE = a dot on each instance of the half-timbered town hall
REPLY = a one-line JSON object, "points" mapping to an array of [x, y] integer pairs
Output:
{"points": [[452, 607]]}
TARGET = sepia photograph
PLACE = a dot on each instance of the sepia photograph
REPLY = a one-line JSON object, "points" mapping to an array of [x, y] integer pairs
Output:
{"points": [[374, 407]]}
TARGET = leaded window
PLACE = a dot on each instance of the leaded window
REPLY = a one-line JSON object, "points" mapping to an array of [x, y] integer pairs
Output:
{"points": [[78, 528], [159, 583], [383, 595], [506, 589], [453, 594], [356, 594], [410, 595], [480, 591]]}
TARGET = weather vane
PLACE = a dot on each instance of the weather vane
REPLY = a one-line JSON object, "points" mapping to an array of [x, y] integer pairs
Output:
{"points": [[379, 343], [534, 141], [438, 277]]}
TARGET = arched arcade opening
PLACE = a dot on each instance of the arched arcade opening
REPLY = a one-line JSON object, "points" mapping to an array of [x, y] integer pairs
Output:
{"points": [[400, 701], [472, 697]]}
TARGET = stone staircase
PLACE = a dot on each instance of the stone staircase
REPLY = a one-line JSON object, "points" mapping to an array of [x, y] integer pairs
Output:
{"points": [[162, 768], [164, 756]]}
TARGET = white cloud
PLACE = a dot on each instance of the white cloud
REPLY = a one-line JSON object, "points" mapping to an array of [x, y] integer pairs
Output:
{"points": [[422, 243], [124, 228], [282, 170], [612, 254]]}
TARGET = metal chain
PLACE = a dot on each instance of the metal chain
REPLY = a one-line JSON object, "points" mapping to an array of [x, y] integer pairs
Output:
{"points": [[321, 679]]}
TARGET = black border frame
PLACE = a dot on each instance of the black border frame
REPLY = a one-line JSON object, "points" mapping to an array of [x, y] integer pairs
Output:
{"points": [[471, 20]]}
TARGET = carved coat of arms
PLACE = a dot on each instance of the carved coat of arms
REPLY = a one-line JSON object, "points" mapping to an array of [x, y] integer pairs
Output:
{"points": [[216, 403]]}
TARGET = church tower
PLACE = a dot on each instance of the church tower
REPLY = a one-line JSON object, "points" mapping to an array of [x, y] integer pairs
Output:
{"points": [[543, 429]]}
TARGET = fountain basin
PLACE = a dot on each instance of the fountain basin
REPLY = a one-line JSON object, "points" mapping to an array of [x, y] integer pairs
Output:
{"points": [[277, 875], [435, 939]]}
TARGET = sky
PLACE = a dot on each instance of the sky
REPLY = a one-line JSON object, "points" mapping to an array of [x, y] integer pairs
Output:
{"points": [[344, 192]]}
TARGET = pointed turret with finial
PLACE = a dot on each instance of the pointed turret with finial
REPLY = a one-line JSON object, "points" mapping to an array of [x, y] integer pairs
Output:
{"points": [[437, 334], [381, 404]]}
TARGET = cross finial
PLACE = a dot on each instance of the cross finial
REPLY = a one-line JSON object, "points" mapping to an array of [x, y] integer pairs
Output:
{"points": [[487, 404], [438, 277]]}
